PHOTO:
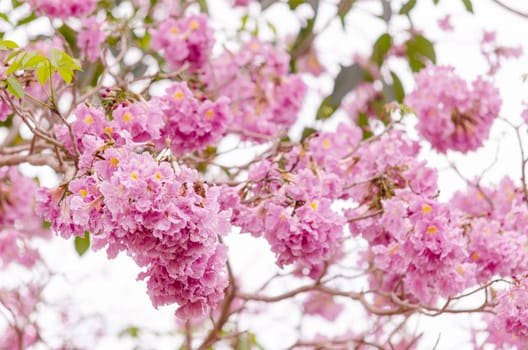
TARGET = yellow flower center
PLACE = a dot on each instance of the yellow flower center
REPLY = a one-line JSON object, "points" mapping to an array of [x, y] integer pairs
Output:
{"points": [[127, 117], [475, 256], [326, 143], [209, 114], [134, 175], [460, 270], [108, 130], [158, 176], [432, 230], [83, 193], [114, 161], [426, 209], [178, 95], [88, 119], [314, 205], [194, 24], [174, 30]]}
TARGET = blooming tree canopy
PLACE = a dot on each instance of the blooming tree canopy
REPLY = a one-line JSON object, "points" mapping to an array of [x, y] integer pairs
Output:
{"points": [[171, 132]]}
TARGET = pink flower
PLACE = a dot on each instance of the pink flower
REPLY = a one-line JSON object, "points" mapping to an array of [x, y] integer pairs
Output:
{"points": [[63, 8], [450, 114], [166, 219], [191, 124], [264, 98], [510, 324], [323, 305], [445, 23], [90, 38], [187, 40]]}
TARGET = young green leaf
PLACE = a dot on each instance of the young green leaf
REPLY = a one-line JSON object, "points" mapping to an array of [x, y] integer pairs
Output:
{"points": [[380, 49], [468, 5], [419, 50], [399, 91], [348, 78], [82, 243], [407, 7], [14, 87], [8, 45]]}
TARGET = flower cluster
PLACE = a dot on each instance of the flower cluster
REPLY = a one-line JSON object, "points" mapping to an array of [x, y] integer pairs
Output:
{"points": [[158, 212], [18, 222], [192, 124], [424, 246], [90, 39], [63, 8], [458, 118], [177, 119], [164, 218], [264, 96], [188, 40], [497, 231], [509, 326], [289, 203]]}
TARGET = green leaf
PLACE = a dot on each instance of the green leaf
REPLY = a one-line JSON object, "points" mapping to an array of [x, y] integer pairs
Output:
{"points": [[364, 125], [243, 22], [468, 5], [14, 87], [82, 243], [43, 72], [407, 7], [380, 49], [54, 57], [8, 45], [347, 80], [343, 8], [436, 2], [4, 17], [307, 132], [203, 6], [419, 51], [27, 19], [70, 36], [305, 38], [33, 60], [399, 91], [66, 74], [131, 331], [273, 28], [295, 3], [15, 65]]}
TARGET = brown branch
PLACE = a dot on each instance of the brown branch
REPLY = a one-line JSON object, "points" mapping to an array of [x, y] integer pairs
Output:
{"points": [[510, 9]]}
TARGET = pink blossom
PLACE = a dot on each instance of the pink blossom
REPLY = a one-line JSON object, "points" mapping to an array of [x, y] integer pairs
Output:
{"points": [[191, 124], [63, 8], [445, 23], [457, 118], [90, 38], [323, 305], [187, 40], [167, 220], [510, 324], [264, 98]]}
